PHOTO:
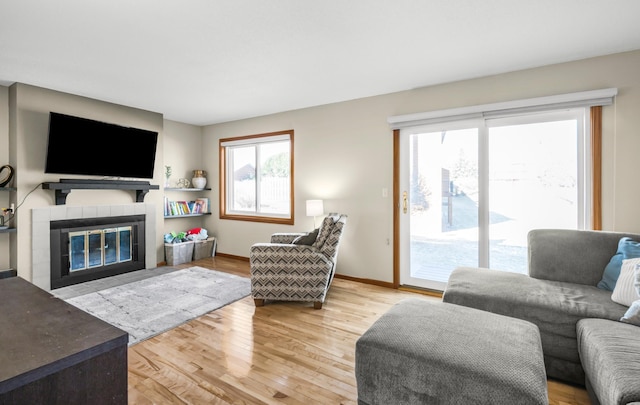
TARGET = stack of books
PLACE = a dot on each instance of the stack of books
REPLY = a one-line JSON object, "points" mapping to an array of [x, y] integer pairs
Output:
{"points": [[174, 208]]}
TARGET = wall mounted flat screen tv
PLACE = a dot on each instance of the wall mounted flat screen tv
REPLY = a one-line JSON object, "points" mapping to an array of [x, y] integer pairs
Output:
{"points": [[86, 147]]}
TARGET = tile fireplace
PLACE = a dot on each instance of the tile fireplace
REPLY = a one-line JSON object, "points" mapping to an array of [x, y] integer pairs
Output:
{"points": [[76, 244]]}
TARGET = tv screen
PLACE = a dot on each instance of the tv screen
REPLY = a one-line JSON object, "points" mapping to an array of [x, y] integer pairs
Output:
{"points": [[87, 147]]}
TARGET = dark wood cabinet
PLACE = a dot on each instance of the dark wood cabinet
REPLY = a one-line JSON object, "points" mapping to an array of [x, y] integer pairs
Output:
{"points": [[54, 353]]}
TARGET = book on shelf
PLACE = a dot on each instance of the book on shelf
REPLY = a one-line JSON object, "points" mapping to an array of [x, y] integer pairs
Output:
{"points": [[167, 208], [197, 207], [173, 208], [204, 202]]}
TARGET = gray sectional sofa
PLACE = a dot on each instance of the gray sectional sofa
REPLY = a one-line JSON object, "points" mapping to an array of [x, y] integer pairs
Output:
{"points": [[583, 340]]}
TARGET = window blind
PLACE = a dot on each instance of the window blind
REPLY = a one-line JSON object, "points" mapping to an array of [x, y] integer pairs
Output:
{"points": [[590, 98]]}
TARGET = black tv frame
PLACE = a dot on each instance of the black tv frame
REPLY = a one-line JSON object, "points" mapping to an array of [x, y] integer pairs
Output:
{"points": [[105, 149]]}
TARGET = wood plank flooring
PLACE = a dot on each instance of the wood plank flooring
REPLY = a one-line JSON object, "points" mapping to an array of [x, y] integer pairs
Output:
{"points": [[282, 353]]}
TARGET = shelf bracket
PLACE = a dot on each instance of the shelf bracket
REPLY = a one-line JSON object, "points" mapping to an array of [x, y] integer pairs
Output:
{"points": [[140, 195], [61, 196]]}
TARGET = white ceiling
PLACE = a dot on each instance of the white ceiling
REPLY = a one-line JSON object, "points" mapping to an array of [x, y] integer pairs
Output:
{"points": [[210, 61]]}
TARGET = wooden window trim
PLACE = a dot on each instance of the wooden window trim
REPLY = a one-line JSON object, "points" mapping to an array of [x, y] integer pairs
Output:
{"points": [[596, 167], [223, 182], [396, 208]]}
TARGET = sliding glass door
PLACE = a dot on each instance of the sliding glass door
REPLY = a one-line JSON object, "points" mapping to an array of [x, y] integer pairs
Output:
{"points": [[535, 181], [441, 204], [471, 191]]}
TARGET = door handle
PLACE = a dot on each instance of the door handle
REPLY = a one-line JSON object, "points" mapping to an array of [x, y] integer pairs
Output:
{"points": [[404, 202]]}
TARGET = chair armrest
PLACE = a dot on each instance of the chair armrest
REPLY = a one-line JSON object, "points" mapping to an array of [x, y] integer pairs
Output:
{"points": [[285, 237], [282, 256]]}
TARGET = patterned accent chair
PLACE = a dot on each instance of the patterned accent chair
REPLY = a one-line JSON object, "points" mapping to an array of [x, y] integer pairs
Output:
{"points": [[284, 271]]}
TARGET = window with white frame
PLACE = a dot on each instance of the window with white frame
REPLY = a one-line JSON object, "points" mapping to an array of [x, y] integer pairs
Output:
{"points": [[256, 173]]}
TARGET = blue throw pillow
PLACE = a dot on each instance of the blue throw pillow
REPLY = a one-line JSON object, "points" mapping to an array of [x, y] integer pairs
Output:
{"points": [[627, 249]]}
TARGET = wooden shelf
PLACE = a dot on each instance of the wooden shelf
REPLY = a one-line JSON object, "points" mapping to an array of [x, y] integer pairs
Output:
{"points": [[186, 189], [64, 187], [186, 215]]}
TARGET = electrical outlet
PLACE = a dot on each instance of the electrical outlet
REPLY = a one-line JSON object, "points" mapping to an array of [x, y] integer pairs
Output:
{"points": [[12, 208], [385, 193]]}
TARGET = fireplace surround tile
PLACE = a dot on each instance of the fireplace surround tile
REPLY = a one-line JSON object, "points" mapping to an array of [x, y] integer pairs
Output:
{"points": [[90, 212], [103, 211], [58, 213], [74, 212], [40, 215]]}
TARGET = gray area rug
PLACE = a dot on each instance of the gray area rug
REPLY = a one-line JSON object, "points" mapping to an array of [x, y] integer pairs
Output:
{"points": [[149, 307]]}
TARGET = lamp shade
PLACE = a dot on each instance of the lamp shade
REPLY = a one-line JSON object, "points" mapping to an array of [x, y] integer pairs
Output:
{"points": [[314, 208]]}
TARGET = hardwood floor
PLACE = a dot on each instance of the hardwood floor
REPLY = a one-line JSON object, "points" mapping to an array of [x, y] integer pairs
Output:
{"points": [[281, 353]]}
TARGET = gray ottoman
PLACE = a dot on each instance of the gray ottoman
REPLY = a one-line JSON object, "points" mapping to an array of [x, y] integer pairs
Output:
{"points": [[430, 352]]}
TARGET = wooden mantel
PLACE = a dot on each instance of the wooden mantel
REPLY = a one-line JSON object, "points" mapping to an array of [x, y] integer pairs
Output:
{"points": [[64, 187]]}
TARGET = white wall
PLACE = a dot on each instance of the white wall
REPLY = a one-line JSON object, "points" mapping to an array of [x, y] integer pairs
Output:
{"points": [[183, 149], [344, 154], [183, 152]]}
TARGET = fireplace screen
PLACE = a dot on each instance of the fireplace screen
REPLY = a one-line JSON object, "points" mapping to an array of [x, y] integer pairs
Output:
{"points": [[87, 249], [99, 247]]}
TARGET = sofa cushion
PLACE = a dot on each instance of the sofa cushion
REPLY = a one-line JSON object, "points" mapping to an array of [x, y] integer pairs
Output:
{"points": [[610, 355], [625, 290], [627, 249], [571, 256], [554, 306]]}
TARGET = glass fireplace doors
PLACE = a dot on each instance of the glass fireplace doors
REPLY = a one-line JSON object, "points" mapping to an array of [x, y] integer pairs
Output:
{"points": [[100, 247]]}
